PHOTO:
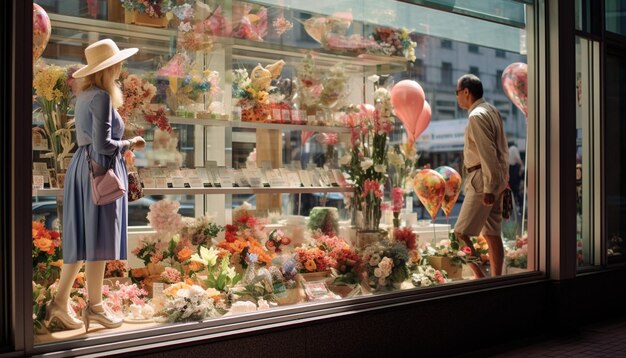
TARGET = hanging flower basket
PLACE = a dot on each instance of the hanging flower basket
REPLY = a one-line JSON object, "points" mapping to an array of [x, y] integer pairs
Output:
{"points": [[143, 19]]}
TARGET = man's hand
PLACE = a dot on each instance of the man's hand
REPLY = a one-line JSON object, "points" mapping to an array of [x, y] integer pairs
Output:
{"points": [[488, 199]]}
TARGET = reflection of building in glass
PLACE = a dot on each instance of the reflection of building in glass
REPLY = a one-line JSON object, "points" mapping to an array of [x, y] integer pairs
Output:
{"points": [[439, 64]]}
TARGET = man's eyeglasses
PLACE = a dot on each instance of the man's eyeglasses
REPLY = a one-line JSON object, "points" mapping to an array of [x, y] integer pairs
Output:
{"points": [[459, 90]]}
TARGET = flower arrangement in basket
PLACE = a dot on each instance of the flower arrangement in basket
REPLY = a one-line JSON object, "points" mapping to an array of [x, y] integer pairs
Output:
{"points": [[366, 163], [394, 42], [254, 93], [517, 256], [245, 236], [386, 264], [54, 94], [186, 303]]}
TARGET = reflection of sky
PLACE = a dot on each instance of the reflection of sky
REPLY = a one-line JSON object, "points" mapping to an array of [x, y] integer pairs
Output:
{"points": [[427, 21]]}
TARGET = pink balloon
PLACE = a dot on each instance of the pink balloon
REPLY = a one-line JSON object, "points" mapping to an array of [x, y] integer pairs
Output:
{"points": [[407, 98], [422, 122], [515, 85], [41, 30]]}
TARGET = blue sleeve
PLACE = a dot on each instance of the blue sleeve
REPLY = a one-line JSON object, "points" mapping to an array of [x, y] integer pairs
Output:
{"points": [[101, 112]]}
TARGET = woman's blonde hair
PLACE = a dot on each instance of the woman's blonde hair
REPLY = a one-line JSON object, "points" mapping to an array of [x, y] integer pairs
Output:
{"points": [[106, 80]]}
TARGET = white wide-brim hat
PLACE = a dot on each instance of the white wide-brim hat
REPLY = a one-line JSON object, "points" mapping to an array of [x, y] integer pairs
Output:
{"points": [[103, 54]]}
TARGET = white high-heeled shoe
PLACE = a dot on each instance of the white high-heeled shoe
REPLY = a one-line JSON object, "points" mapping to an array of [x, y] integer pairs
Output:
{"points": [[61, 317], [106, 317]]}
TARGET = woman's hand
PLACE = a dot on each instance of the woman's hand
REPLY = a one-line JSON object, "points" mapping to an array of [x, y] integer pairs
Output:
{"points": [[137, 143]]}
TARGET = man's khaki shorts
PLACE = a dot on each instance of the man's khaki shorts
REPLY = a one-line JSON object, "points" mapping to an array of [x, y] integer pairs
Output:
{"points": [[476, 218]]}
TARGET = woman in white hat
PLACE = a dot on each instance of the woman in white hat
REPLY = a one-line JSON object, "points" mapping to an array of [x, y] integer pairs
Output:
{"points": [[92, 233]]}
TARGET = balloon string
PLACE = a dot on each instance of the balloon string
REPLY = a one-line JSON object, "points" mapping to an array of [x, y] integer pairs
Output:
{"points": [[434, 231], [524, 197]]}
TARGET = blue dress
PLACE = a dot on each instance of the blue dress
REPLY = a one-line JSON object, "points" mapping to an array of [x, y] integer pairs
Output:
{"points": [[94, 232]]}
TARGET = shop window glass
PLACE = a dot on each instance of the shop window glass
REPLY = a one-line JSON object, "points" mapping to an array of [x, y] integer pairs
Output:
{"points": [[279, 157], [587, 119], [614, 16], [615, 161]]}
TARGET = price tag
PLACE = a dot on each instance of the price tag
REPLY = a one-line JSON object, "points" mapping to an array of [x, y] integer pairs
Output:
{"points": [[340, 179], [178, 182], [273, 178], [315, 178], [305, 179], [294, 179], [160, 182], [286, 115], [254, 177], [240, 178], [37, 182], [149, 182], [225, 177], [195, 182]]}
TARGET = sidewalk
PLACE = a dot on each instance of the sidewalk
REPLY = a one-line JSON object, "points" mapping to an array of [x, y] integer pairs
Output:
{"points": [[605, 339]]}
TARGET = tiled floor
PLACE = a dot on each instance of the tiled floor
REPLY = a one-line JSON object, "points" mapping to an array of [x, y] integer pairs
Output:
{"points": [[606, 339]]}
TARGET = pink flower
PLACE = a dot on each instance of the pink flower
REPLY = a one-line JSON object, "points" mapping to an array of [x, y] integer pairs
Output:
{"points": [[397, 196]]}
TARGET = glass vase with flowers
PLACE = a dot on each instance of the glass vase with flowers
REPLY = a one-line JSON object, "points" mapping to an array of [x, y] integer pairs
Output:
{"points": [[366, 163]]}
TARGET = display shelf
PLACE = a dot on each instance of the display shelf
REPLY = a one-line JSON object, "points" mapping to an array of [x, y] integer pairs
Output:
{"points": [[218, 191], [256, 125], [158, 41]]}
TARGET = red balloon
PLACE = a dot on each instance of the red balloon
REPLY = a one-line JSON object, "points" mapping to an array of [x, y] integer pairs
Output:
{"points": [[41, 30], [515, 85], [407, 98], [423, 121]]}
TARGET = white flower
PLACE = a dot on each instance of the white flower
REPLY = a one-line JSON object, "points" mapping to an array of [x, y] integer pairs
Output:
{"points": [[373, 78], [366, 163], [394, 158], [380, 168], [430, 271], [345, 159], [425, 282], [231, 273], [184, 26], [378, 272], [460, 253], [207, 257]]}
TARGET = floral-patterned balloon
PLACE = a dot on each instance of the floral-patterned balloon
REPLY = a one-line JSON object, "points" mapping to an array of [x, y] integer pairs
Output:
{"points": [[453, 188], [430, 188], [515, 85], [41, 31]]}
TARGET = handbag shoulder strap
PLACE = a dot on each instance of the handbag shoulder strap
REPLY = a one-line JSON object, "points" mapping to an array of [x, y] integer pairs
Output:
{"points": [[109, 166]]}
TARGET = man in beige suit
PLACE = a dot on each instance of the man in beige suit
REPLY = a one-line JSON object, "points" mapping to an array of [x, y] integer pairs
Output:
{"points": [[486, 163]]}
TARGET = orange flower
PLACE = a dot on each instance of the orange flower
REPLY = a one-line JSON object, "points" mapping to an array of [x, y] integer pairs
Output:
{"points": [[184, 254], [57, 263], [195, 266], [44, 244], [310, 265]]}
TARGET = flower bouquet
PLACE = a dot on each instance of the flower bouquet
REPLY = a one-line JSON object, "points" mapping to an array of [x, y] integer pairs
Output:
{"points": [[54, 93], [186, 303], [517, 255], [366, 164], [138, 93], [250, 21], [245, 236], [219, 275], [46, 254], [393, 42], [385, 264]]}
